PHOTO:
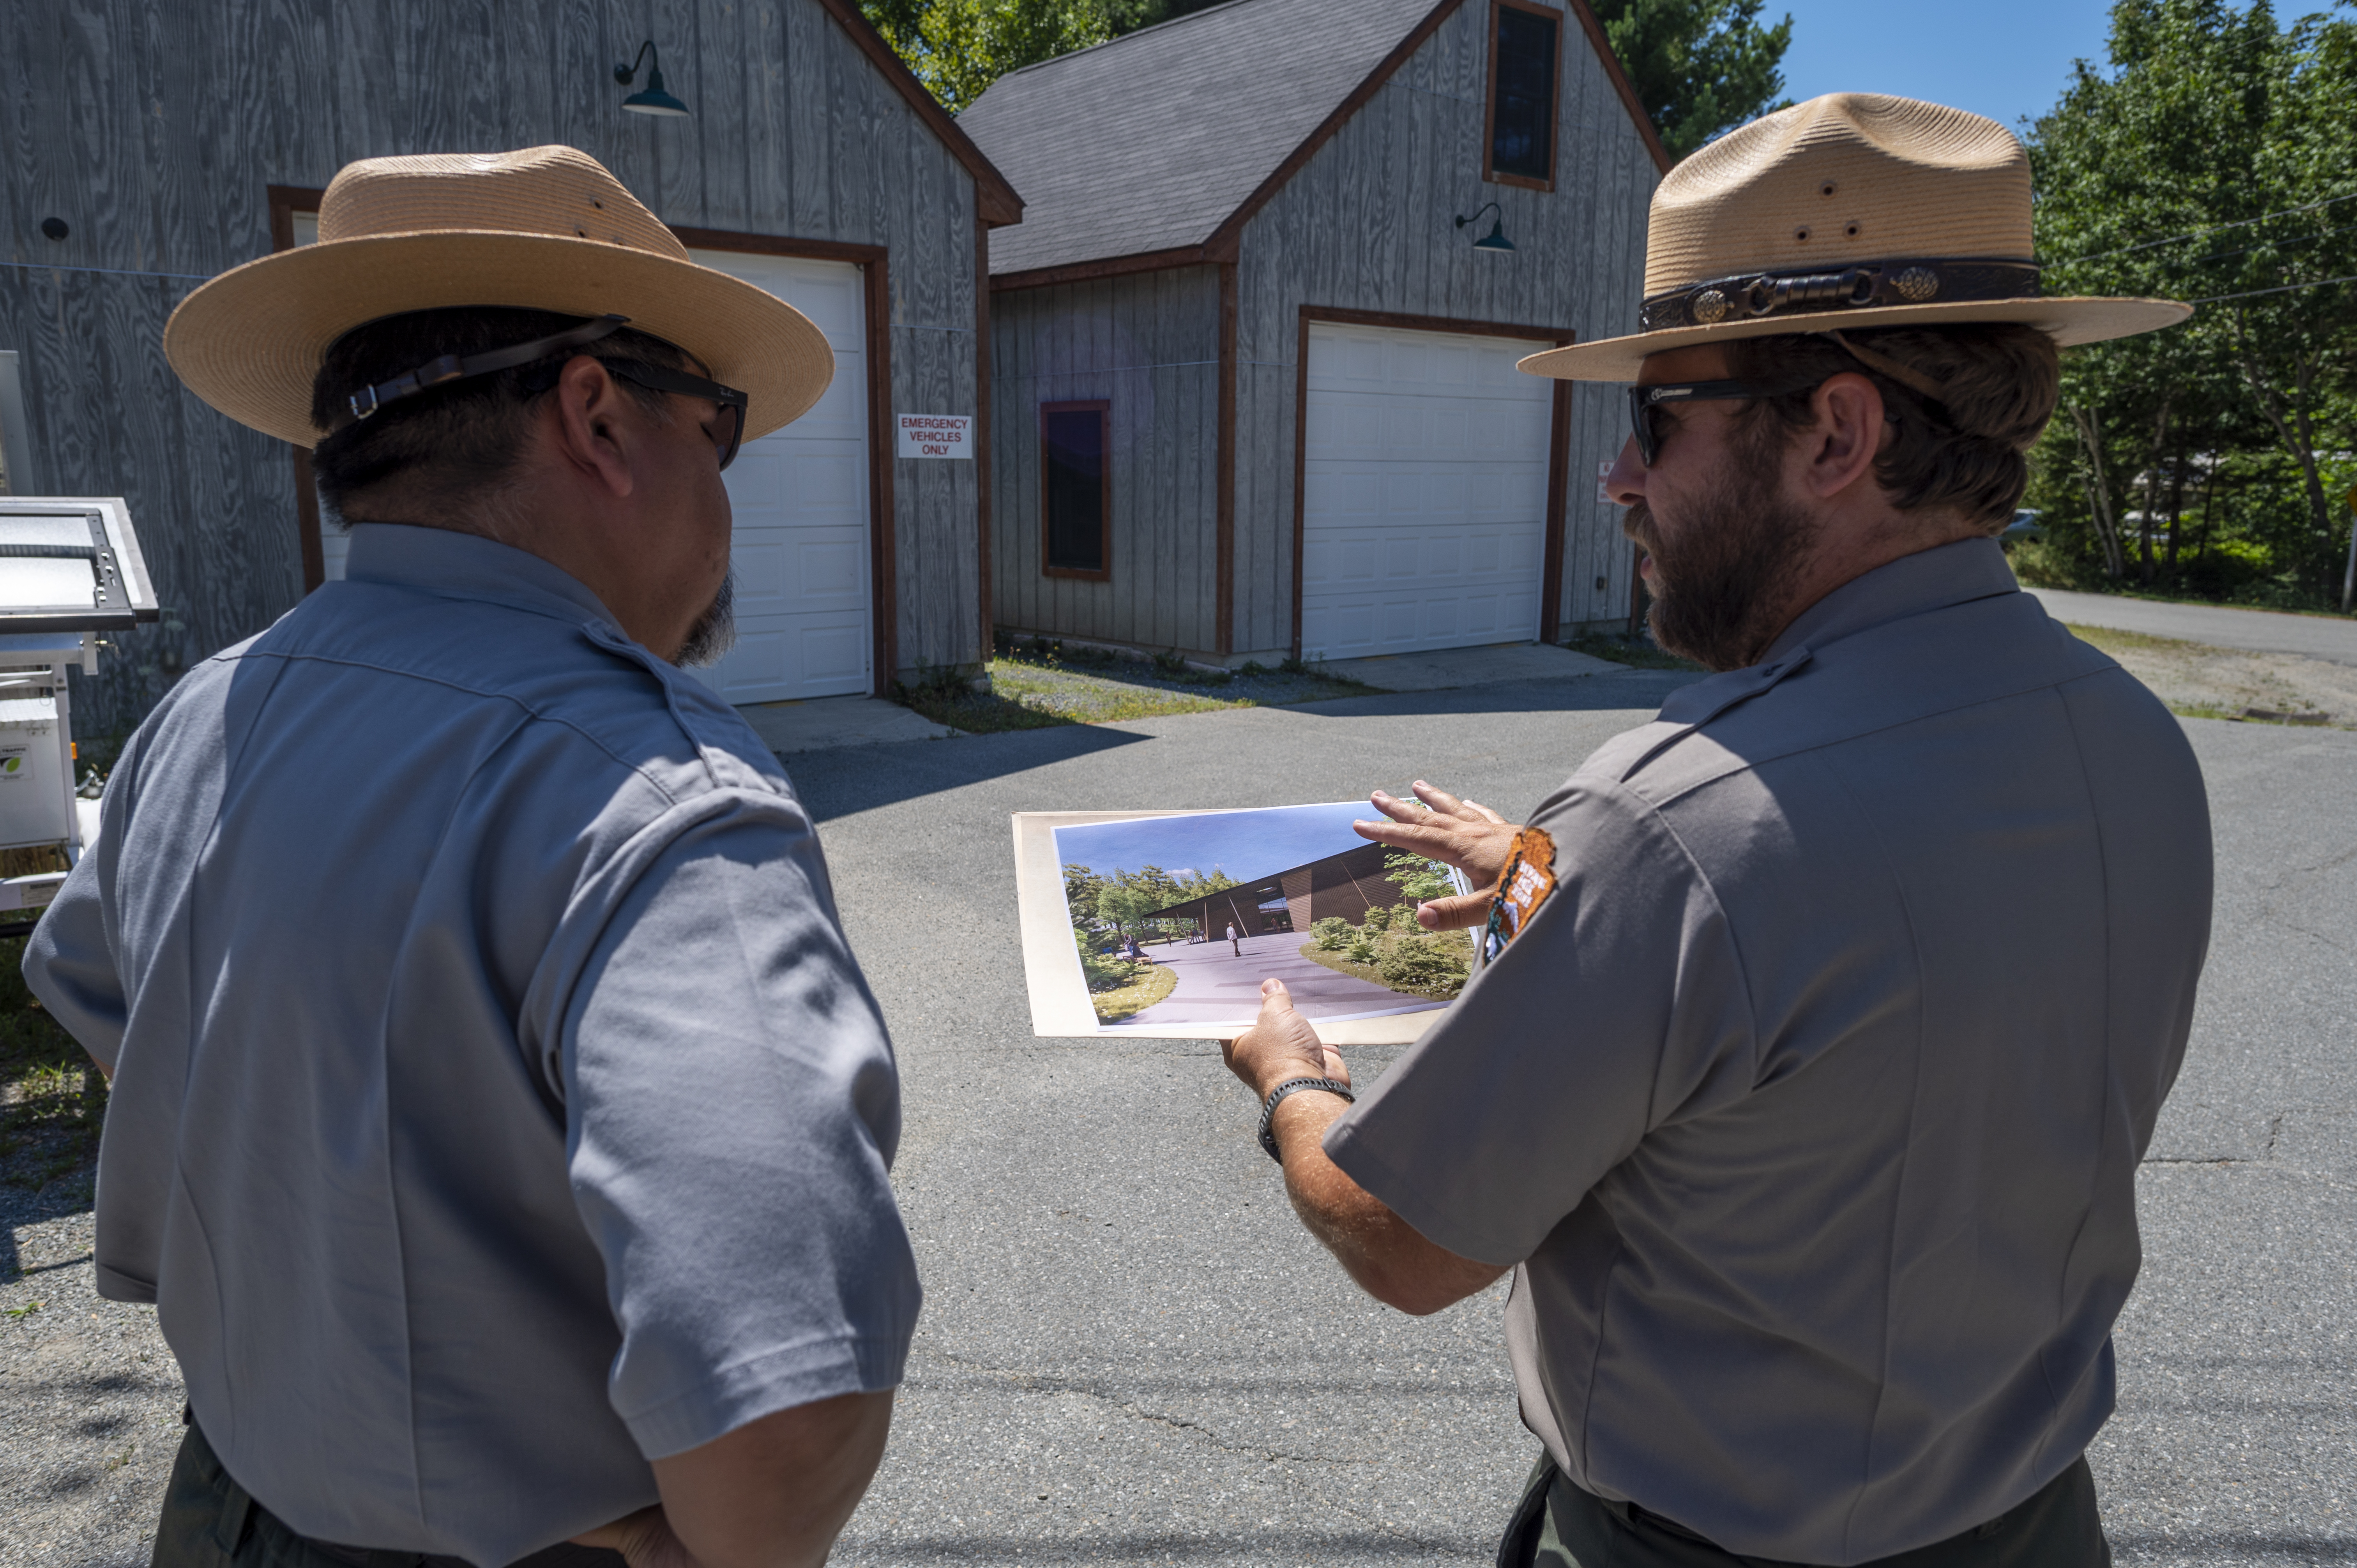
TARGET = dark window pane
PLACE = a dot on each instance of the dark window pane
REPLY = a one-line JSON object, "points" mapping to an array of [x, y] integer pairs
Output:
{"points": [[1075, 480], [1522, 134]]}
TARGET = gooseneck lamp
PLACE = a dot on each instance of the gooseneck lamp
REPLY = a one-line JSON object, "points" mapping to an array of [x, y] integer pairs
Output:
{"points": [[1495, 239], [654, 100]]}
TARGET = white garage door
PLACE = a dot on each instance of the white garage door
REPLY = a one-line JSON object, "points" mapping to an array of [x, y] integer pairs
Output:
{"points": [[804, 610], [1424, 492]]}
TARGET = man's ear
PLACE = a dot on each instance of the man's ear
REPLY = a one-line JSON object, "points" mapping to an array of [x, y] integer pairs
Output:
{"points": [[592, 431], [1846, 436]]}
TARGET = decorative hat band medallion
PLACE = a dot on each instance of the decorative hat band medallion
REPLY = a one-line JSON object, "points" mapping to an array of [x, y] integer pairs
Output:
{"points": [[1910, 281]]}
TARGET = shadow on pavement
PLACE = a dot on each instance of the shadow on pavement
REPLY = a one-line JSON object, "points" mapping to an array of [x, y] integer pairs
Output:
{"points": [[862, 778], [1584, 693]]}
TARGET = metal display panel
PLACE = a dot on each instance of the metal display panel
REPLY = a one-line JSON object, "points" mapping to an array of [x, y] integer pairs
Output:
{"points": [[70, 564]]}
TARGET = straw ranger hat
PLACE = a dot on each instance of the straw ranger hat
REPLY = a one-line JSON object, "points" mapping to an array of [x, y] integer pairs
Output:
{"points": [[543, 228], [1851, 210]]}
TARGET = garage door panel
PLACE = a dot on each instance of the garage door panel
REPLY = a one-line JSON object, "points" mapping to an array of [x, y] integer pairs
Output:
{"points": [[1424, 492], [799, 547]]}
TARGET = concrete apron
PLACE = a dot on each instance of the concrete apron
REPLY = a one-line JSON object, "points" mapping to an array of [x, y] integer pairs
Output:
{"points": [[1451, 667], [826, 723]]}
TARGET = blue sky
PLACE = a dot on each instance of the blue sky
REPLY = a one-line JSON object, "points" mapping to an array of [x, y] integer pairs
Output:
{"points": [[1247, 846], [2004, 58]]}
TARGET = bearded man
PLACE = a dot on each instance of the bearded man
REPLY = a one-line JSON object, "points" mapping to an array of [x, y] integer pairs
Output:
{"points": [[500, 1123], [1824, 1019]]}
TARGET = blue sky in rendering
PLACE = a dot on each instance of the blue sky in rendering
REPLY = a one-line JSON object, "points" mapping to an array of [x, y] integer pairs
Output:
{"points": [[2004, 58], [1247, 846]]}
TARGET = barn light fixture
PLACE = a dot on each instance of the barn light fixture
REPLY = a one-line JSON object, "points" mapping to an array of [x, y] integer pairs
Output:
{"points": [[654, 99], [1494, 241]]}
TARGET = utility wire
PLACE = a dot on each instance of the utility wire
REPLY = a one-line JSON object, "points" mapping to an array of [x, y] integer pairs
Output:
{"points": [[2317, 282], [2222, 255], [110, 272], [2215, 229]]}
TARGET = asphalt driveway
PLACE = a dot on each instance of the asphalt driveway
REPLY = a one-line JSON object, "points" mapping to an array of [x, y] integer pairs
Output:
{"points": [[2331, 638], [1131, 1353]]}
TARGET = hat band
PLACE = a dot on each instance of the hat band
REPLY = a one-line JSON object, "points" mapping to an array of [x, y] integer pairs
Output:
{"points": [[1749, 296]]}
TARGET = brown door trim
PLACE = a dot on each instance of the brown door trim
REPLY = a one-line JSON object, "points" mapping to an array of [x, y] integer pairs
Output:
{"points": [[285, 200], [1558, 441], [875, 262], [1224, 552]]}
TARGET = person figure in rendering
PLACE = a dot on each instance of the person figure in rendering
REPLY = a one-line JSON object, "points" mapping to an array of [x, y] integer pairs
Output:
{"points": [[1236, 945], [1827, 1016], [500, 1123]]}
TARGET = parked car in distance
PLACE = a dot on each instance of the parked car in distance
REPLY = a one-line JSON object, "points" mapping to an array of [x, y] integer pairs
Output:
{"points": [[2025, 525]]}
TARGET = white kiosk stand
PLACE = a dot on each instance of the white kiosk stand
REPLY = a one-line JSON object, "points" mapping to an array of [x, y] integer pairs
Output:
{"points": [[70, 569]]}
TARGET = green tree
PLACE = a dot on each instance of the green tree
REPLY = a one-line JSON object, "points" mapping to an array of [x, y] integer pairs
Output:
{"points": [[2213, 161], [1700, 67], [958, 48], [1417, 877]]}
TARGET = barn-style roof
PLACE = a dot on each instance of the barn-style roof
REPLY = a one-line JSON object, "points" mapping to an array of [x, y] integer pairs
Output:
{"points": [[1167, 139]]}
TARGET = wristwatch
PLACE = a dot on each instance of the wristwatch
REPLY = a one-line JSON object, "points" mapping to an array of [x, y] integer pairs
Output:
{"points": [[1276, 1096]]}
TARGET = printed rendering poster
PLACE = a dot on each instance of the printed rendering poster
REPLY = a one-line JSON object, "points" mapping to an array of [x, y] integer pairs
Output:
{"points": [[1166, 923]]}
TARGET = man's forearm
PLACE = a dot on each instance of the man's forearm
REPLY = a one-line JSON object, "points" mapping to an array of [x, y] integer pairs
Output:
{"points": [[1384, 1254]]}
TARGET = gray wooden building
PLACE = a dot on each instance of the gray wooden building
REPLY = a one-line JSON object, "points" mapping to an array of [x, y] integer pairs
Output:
{"points": [[153, 144], [1254, 384]]}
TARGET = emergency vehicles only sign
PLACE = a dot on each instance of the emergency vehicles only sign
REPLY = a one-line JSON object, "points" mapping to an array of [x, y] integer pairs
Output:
{"points": [[936, 435]]}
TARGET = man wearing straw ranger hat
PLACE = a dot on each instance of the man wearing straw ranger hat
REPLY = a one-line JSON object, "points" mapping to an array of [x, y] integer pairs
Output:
{"points": [[1827, 1016], [500, 1122]]}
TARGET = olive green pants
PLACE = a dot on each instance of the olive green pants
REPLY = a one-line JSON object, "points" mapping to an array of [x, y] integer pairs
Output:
{"points": [[210, 1521], [1560, 1526]]}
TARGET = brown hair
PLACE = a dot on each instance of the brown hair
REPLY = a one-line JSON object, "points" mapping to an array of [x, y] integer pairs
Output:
{"points": [[1969, 448], [463, 436]]}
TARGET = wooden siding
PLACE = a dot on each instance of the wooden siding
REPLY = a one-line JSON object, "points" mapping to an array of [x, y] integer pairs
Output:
{"points": [[1148, 344], [1367, 225], [154, 130]]}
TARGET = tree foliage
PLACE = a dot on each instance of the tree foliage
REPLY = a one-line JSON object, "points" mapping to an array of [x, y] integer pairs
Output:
{"points": [[1700, 67], [2214, 160], [958, 48]]}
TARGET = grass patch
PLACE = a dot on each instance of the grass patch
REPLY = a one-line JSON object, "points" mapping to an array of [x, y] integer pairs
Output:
{"points": [[1154, 983], [1386, 945], [52, 1098], [2112, 641], [1637, 652], [1039, 684]]}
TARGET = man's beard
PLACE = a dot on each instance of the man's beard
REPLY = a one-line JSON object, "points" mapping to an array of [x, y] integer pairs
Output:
{"points": [[714, 631], [1721, 594]]}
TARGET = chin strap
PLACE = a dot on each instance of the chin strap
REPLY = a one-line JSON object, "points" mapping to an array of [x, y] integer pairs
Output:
{"points": [[455, 367]]}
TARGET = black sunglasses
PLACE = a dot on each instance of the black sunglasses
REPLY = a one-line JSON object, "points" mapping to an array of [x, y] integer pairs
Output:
{"points": [[726, 436], [1644, 402]]}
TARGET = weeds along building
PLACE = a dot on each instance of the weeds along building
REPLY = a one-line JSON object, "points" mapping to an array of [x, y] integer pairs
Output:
{"points": [[1253, 345], [153, 146]]}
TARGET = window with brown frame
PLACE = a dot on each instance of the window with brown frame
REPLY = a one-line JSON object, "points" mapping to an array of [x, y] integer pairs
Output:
{"points": [[1526, 53], [1076, 490]]}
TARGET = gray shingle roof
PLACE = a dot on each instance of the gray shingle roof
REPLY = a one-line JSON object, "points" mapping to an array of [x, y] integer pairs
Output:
{"points": [[1150, 142]]}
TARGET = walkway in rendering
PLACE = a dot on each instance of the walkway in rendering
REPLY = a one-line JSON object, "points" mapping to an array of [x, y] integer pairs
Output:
{"points": [[1215, 987]]}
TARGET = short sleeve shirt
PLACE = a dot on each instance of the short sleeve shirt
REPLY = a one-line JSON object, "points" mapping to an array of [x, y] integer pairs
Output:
{"points": [[497, 1105], [1809, 1101]]}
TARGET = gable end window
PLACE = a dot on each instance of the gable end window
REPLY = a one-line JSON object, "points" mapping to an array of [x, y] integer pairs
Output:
{"points": [[1075, 490], [1526, 54]]}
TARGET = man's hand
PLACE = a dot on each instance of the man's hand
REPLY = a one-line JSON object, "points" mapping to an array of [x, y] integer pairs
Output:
{"points": [[1438, 826], [774, 1493], [1389, 1258]]}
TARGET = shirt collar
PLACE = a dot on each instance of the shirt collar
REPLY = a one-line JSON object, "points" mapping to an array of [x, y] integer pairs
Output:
{"points": [[469, 566], [1914, 584]]}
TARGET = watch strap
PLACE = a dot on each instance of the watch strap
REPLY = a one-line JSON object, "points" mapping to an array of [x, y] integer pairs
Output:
{"points": [[1276, 1096]]}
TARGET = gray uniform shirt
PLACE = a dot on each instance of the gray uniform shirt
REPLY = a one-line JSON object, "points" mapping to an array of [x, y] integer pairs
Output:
{"points": [[1810, 1102], [497, 1105]]}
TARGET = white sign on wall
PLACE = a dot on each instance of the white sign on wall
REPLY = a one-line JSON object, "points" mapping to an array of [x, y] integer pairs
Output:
{"points": [[936, 435]]}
